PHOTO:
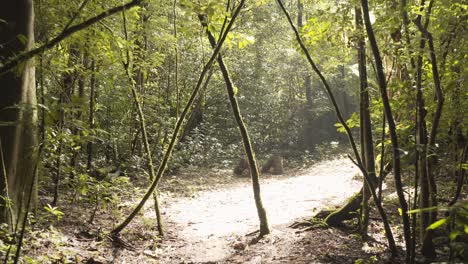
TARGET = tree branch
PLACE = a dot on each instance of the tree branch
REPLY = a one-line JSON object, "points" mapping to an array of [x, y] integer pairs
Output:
{"points": [[68, 31]]}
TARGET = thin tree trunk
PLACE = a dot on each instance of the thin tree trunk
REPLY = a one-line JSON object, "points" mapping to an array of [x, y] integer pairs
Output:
{"points": [[176, 58], [382, 156], [415, 202], [307, 78], [42, 126], [461, 176], [308, 123], [66, 93], [196, 117], [428, 247], [421, 142], [175, 134], [358, 162], [136, 81], [254, 172], [417, 175], [91, 120], [392, 128], [428, 188], [367, 143], [79, 111]]}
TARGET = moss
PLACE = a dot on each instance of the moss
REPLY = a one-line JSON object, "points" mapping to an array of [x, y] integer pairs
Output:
{"points": [[346, 212]]}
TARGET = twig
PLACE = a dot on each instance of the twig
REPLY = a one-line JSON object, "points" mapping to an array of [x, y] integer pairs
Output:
{"points": [[75, 15]]}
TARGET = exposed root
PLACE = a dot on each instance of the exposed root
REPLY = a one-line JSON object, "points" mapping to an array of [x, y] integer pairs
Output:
{"points": [[253, 233], [255, 240], [324, 213], [314, 222], [311, 224], [300, 224], [120, 243]]}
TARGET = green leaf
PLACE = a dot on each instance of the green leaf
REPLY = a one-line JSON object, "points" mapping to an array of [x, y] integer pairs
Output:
{"points": [[400, 211], [340, 128], [429, 209], [437, 224], [54, 211], [454, 234], [464, 166], [23, 39]]}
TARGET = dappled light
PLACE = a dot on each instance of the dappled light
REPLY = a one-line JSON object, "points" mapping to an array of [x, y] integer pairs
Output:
{"points": [[210, 221], [221, 131]]}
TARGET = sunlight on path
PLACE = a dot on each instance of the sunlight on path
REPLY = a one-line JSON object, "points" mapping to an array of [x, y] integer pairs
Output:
{"points": [[211, 219]]}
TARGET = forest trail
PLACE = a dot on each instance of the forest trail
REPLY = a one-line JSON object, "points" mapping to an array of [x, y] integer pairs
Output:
{"points": [[210, 226]]}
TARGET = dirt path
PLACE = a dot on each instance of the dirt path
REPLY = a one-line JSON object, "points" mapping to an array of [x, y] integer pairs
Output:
{"points": [[212, 225]]}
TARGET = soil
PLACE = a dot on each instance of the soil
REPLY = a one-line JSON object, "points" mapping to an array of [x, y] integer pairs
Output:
{"points": [[211, 218], [213, 225]]}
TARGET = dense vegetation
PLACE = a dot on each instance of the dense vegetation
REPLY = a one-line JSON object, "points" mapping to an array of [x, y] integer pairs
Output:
{"points": [[98, 94]]}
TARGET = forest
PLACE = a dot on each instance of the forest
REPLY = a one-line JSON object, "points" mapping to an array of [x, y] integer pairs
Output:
{"points": [[233, 131]]}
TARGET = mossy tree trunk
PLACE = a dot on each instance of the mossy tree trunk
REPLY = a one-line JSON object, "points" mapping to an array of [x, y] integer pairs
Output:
{"points": [[136, 80], [254, 172], [175, 134]]}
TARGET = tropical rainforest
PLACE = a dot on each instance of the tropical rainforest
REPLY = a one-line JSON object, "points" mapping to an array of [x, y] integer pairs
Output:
{"points": [[233, 131]]}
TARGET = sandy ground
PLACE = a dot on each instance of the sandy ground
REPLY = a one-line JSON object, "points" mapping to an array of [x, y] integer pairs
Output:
{"points": [[212, 226], [210, 217]]}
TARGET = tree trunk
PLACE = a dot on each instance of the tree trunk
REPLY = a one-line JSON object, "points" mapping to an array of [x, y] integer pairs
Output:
{"points": [[307, 78], [308, 125], [66, 93], [392, 127], [254, 172], [91, 120], [173, 140], [367, 143], [136, 80], [78, 111], [425, 144], [18, 113], [358, 162], [176, 58]]}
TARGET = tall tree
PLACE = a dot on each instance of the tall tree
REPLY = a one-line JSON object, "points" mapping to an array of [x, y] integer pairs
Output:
{"points": [[367, 144], [392, 127], [18, 115]]}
